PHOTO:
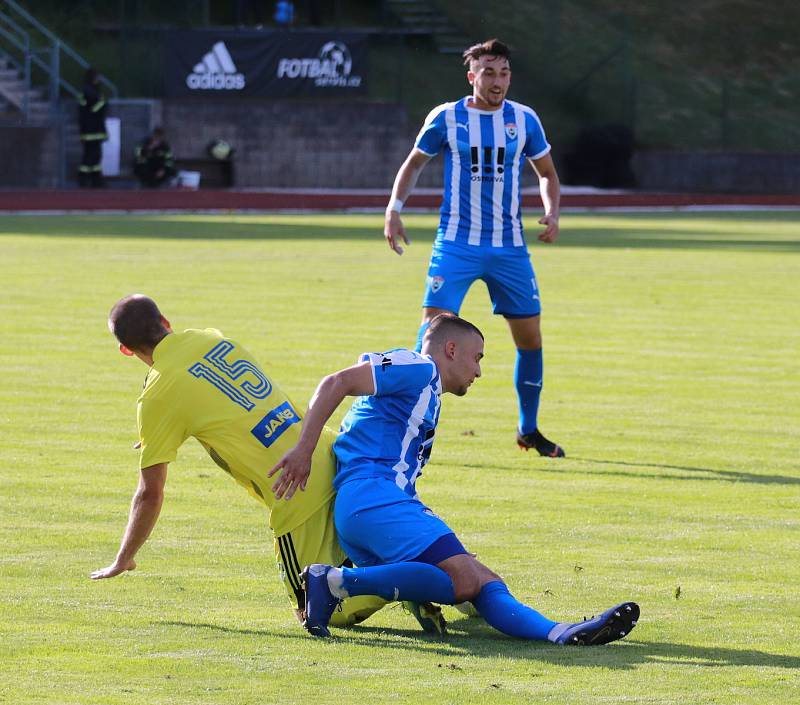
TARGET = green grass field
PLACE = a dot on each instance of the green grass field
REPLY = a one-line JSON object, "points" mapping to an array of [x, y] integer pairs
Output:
{"points": [[672, 344]]}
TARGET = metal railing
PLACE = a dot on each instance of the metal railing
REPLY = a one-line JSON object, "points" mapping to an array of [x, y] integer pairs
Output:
{"points": [[39, 56]]}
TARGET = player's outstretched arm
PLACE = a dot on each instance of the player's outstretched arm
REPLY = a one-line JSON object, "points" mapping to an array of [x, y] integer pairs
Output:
{"points": [[145, 508], [404, 182], [550, 189], [296, 464]]}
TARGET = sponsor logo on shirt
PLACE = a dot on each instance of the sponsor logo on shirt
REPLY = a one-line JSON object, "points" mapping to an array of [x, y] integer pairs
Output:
{"points": [[493, 163], [270, 428]]}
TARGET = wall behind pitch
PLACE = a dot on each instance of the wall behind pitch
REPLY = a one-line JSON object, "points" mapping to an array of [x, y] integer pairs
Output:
{"points": [[717, 172], [29, 155], [299, 144]]}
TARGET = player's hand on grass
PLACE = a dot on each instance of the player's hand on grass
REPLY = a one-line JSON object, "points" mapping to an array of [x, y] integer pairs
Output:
{"points": [[550, 232], [296, 465], [114, 569], [394, 232]]}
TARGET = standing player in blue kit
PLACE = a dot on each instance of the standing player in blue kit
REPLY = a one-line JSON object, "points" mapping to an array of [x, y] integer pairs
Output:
{"points": [[486, 140]]}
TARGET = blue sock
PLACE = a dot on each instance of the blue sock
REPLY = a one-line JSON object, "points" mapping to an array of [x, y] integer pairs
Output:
{"points": [[506, 614], [418, 582], [421, 335], [528, 378]]}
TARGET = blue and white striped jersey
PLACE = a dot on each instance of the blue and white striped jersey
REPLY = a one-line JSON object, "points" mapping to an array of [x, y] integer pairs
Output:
{"points": [[390, 433], [484, 155]]}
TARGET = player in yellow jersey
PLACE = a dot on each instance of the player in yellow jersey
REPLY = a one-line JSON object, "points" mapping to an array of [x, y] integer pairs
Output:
{"points": [[204, 385]]}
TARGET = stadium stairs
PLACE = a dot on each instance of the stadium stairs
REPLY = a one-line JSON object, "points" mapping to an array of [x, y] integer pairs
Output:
{"points": [[37, 97], [14, 93]]}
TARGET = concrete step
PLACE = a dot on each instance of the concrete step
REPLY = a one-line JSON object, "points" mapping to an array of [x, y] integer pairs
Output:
{"points": [[13, 84], [17, 97], [18, 86]]}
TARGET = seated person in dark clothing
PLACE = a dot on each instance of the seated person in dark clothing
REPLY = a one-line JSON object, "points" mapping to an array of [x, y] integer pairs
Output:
{"points": [[154, 163]]}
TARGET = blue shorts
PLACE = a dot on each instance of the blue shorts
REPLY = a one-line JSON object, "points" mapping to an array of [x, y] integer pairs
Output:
{"points": [[378, 523], [507, 271]]}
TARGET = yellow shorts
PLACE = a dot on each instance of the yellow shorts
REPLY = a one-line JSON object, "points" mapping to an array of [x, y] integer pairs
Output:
{"points": [[315, 541]]}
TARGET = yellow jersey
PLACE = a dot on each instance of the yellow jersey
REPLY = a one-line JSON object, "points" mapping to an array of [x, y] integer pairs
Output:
{"points": [[204, 385]]}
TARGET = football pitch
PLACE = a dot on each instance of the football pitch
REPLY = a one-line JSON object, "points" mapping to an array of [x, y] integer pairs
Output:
{"points": [[672, 343]]}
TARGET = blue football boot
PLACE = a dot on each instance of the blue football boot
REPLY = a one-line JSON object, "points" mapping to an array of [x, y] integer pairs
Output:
{"points": [[613, 624], [320, 603]]}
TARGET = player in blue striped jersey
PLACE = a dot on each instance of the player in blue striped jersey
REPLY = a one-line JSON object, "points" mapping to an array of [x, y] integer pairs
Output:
{"points": [[406, 404], [486, 140], [403, 550]]}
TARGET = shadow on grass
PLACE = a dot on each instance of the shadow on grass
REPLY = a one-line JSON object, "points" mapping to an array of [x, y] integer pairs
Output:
{"points": [[170, 228], [710, 474], [345, 227], [688, 655], [473, 637], [413, 639], [714, 475], [667, 240]]}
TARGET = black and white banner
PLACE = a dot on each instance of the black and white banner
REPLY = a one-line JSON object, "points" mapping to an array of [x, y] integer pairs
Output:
{"points": [[267, 64]]}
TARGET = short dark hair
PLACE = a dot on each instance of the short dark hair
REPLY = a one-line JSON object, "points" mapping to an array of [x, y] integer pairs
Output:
{"points": [[491, 47], [445, 325], [136, 323]]}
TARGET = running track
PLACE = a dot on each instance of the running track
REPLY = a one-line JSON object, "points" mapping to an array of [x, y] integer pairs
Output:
{"points": [[313, 200]]}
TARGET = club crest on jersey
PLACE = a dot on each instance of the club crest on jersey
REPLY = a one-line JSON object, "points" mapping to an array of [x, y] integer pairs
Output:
{"points": [[435, 283], [511, 130]]}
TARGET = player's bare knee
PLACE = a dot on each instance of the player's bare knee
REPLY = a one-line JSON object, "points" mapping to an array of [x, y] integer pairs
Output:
{"points": [[528, 341], [468, 576], [526, 332], [487, 575], [467, 587]]}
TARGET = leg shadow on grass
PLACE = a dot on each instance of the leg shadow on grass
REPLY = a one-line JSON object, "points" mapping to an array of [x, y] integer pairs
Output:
{"points": [[625, 653], [473, 637], [359, 635], [694, 474], [688, 655]]}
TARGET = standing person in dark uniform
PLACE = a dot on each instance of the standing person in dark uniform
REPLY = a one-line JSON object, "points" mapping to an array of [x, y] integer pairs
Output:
{"points": [[92, 126], [154, 163]]}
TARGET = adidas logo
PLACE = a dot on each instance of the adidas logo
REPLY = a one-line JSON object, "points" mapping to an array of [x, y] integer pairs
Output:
{"points": [[216, 72]]}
